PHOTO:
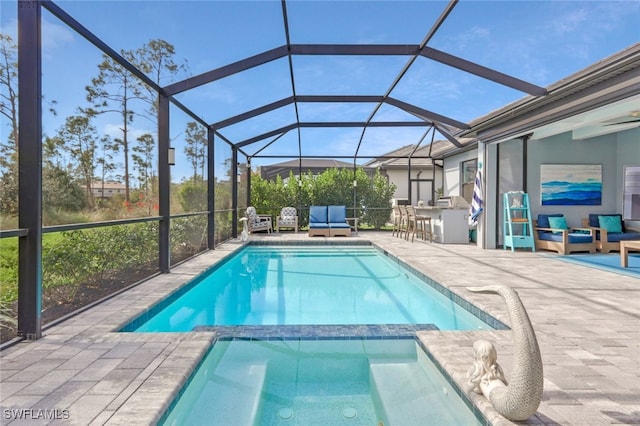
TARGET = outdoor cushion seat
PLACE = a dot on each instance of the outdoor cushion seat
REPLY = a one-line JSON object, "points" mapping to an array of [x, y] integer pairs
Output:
{"points": [[288, 219], [328, 221], [338, 225], [563, 240], [607, 240], [257, 222], [318, 221]]}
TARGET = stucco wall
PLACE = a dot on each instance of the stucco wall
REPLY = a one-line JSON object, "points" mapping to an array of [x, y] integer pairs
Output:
{"points": [[399, 177], [451, 172]]}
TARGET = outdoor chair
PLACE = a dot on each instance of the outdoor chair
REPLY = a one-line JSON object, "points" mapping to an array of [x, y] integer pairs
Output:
{"points": [[397, 219], [609, 230], [318, 221], [403, 224], [258, 222], [550, 232], [338, 225], [288, 219], [417, 224], [328, 221]]}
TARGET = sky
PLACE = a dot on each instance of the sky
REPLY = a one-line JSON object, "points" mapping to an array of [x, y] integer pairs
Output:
{"points": [[540, 42]]}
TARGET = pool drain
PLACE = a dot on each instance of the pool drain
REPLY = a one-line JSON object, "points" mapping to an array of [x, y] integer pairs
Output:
{"points": [[285, 413], [349, 412]]}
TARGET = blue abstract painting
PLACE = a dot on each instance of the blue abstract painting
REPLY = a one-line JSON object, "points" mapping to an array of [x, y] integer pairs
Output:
{"points": [[571, 184]]}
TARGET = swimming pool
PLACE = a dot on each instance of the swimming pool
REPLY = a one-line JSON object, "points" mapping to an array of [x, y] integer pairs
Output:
{"points": [[320, 285], [318, 382]]}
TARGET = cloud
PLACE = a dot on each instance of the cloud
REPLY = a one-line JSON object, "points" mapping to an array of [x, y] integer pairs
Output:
{"points": [[114, 131], [472, 36], [55, 36], [568, 23]]}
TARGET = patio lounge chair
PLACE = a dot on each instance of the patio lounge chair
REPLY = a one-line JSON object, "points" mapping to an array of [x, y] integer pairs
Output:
{"points": [[288, 219], [338, 225], [609, 230], [318, 221], [258, 222], [552, 233]]}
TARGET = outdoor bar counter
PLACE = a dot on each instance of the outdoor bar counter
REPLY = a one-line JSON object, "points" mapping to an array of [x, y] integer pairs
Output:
{"points": [[450, 225]]}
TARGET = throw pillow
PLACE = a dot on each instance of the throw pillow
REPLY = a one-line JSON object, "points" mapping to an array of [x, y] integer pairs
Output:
{"points": [[611, 224], [543, 219], [558, 223]]}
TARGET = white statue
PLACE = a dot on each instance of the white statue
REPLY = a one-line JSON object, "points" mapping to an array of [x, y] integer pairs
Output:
{"points": [[244, 235], [485, 373], [519, 399]]}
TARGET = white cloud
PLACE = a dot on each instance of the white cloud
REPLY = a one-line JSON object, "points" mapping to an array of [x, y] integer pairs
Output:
{"points": [[114, 131], [472, 36], [55, 36]]}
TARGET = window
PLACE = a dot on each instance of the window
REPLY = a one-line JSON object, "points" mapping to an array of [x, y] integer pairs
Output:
{"points": [[631, 193], [468, 170]]}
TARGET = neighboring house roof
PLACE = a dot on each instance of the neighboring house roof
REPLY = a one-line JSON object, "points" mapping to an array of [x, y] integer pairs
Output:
{"points": [[314, 166], [422, 157]]}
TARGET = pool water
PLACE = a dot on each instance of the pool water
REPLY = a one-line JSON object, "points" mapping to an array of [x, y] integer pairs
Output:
{"points": [[310, 285], [318, 382]]}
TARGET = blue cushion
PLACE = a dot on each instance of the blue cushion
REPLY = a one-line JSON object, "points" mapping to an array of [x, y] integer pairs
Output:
{"points": [[543, 219], [337, 214], [611, 224], [623, 236], [574, 238], [318, 225], [558, 223], [318, 214], [342, 225], [594, 220]]}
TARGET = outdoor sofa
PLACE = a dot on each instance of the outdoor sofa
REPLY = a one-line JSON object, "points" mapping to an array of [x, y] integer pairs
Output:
{"points": [[609, 230], [328, 221], [550, 232]]}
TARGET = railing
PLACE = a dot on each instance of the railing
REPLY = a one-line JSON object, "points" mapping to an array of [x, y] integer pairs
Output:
{"points": [[83, 263]]}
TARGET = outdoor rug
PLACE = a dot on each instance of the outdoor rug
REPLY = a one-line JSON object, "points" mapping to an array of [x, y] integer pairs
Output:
{"points": [[608, 262]]}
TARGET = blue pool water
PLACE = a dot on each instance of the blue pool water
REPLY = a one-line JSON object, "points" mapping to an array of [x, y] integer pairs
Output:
{"points": [[318, 285], [318, 382]]}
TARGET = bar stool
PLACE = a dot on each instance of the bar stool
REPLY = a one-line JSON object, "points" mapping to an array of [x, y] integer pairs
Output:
{"points": [[404, 223], [417, 224], [397, 220], [425, 222]]}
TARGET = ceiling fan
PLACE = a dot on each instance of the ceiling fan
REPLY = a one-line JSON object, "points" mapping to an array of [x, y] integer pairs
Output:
{"points": [[632, 117]]}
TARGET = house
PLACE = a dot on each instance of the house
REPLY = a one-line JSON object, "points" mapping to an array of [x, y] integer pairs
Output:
{"points": [[313, 166], [106, 189], [589, 118], [417, 172]]}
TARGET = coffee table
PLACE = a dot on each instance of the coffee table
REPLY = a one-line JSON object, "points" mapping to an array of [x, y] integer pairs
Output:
{"points": [[625, 248]]}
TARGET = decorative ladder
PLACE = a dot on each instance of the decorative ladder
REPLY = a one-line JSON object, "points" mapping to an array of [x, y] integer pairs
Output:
{"points": [[517, 229]]}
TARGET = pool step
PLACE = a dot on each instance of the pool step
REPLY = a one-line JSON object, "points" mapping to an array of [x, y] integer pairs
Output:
{"points": [[231, 396], [404, 392]]}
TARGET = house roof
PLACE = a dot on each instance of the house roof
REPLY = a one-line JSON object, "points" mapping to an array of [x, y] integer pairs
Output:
{"points": [[306, 165], [422, 156], [98, 184]]}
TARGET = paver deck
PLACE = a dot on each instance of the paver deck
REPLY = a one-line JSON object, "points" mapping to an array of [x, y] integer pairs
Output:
{"points": [[587, 322]]}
